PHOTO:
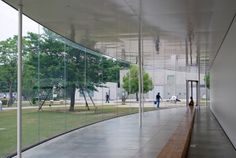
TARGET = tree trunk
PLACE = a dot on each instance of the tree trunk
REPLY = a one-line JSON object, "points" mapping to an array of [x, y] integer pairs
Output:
{"points": [[86, 103], [10, 101], [136, 96], [40, 107], [72, 98], [92, 100], [123, 99]]}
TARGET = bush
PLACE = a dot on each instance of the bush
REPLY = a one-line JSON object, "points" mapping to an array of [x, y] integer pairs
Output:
{"points": [[4, 101], [34, 101]]}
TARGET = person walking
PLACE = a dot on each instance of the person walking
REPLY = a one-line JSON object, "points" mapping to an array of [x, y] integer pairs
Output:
{"points": [[107, 97], [158, 99]]}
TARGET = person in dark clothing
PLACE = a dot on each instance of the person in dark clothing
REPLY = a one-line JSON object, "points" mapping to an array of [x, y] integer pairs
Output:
{"points": [[107, 98], [158, 99], [191, 103]]}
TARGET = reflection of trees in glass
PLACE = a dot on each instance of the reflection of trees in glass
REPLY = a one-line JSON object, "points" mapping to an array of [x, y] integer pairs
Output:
{"points": [[207, 80], [48, 62], [87, 71], [131, 82], [8, 62], [45, 67]]}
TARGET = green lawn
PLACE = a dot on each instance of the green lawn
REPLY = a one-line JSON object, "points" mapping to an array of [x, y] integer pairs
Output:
{"points": [[38, 126]]}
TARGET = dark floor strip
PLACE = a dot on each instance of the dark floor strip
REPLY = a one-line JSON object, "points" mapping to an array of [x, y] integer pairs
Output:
{"points": [[208, 138]]}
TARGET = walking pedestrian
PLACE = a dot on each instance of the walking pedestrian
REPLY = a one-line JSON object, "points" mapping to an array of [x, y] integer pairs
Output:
{"points": [[107, 97], [158, 99]]}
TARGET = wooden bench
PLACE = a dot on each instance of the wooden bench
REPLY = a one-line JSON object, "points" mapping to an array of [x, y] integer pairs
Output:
{"points": [[177, 145]]}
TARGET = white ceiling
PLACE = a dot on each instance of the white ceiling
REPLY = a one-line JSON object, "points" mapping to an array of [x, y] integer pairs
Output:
{"points": [[205, 22]]}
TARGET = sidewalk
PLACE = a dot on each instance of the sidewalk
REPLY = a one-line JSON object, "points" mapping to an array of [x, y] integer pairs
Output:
{"points": [[119, 104], [116, 138]]}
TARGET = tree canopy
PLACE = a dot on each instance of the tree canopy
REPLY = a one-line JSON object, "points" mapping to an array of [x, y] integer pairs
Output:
{"points": [[207, 80], [49, 61], [131, 81], [8, 61]]}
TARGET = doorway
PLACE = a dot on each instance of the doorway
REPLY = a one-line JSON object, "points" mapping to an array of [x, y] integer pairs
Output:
{"points": [[192, 90]]}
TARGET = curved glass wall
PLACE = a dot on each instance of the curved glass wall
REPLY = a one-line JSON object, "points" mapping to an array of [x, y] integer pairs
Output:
{"points": [[67, 85]]}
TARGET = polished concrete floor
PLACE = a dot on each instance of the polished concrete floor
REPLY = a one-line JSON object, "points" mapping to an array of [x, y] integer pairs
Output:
{"points": [[208, 139], [115, 138]]}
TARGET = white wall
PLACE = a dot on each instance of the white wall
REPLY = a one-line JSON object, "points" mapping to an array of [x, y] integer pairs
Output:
{"points": [[100, 94], [223, 85], [159, 78]]}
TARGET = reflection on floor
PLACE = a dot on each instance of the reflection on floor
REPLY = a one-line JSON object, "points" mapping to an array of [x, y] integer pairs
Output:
{"points": [[115, 138], [208, 139]]}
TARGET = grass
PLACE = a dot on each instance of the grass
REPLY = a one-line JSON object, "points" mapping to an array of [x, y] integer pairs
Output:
{"points": [[41, 125]]}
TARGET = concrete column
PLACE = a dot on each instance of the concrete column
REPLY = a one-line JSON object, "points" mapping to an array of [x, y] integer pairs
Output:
{"points": [[19, 82], [187, 92], [140, 63]]}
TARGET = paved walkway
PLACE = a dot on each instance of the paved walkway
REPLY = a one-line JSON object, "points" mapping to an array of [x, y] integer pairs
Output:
{"points": [[115, 138], [208, 139], [112, 103]]}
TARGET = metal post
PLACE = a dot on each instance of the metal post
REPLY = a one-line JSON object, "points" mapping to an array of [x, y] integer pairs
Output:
{"points": [[19, 82], [198, 98], [206, 88], [191, 88], [190, 50], [197, 94], [186, 51], [205, 82], [140, 62], [187, 93]]}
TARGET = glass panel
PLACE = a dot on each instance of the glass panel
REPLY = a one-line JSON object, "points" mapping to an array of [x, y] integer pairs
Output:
{"points": [[68, 85], [8, 79]]}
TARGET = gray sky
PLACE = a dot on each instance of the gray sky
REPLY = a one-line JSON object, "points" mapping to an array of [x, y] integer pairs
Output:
{"points": [[9, 22]]}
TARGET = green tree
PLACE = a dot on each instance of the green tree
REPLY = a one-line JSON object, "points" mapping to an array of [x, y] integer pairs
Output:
{"points": [[207, 80], [8, 62], [48, 59], [131, 82], [8, 66], [47, 62], [84, 70]]}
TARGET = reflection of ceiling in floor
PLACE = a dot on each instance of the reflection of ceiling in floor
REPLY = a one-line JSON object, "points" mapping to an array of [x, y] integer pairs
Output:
{"points": [[180, 28]]}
